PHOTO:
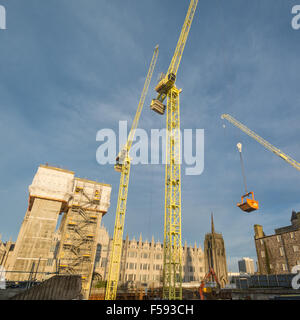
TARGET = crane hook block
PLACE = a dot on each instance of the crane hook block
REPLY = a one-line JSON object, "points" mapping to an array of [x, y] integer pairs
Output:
{"points": [[239, 146]]}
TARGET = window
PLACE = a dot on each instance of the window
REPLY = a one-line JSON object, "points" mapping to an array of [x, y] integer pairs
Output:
{"points": [[281, 251], [201, 269], [131, 265], [158, 256], [295, 248], [144, 255], [49, 262], [132, 254], [284, 267], [292, 235], [103, 262], [144, 277], [130, 277]]}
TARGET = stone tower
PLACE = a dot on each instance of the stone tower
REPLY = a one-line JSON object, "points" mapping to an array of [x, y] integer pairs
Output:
{"points": [[215, 255]]}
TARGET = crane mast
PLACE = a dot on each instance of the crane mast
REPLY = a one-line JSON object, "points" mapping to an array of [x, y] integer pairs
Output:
{"points": [[262, 141], [166, 89], [123, 166]]}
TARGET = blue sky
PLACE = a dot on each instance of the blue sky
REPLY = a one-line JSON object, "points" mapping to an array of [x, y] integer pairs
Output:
{"points": [[71, 67]]}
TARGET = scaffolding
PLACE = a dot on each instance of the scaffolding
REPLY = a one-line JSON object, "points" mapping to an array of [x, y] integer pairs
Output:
{"points": [[79, 235]]}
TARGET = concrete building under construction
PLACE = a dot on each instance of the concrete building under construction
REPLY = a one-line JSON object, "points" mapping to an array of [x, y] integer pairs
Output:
{"points": [[82, 203]]}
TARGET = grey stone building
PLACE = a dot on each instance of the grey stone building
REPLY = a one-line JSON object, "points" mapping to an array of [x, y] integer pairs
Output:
{"points": [[215, 255], [142, 261], [280, 252]]}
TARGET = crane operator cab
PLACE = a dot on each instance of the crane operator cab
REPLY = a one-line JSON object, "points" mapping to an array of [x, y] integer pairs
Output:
{"points": [[166, 83], [162, 88], [248, 205]]}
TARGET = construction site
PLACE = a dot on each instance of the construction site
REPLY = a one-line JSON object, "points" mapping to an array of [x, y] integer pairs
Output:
{"points": [[64, 251]]}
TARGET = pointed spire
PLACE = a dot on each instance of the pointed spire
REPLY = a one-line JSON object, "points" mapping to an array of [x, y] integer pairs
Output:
{"points": [[212, 223], [152, 239]]}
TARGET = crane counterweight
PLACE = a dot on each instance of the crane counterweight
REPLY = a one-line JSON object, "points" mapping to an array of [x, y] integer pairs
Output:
{"points": [[158, 106]]}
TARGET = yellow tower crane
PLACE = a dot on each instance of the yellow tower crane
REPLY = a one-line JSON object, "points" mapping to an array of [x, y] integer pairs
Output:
{"points": [[123, 166], [172, 263], [262, 141]]}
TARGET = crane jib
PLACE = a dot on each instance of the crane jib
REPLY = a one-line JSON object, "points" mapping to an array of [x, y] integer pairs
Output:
{"points": [[263, 142]]}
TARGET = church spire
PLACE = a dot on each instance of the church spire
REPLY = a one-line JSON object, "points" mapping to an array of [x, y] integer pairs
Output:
{"points": [[212, 223]]}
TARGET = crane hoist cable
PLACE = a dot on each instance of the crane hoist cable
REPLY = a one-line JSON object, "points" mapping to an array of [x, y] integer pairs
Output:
{"points": [[166, 89], [247, 205], [239, 146], [123, 165]]}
